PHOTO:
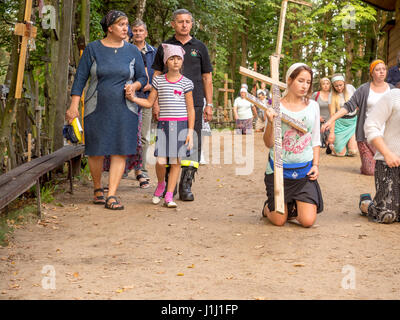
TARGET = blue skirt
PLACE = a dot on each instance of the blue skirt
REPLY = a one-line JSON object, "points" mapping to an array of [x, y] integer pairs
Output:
{"points": [[170, 140]]}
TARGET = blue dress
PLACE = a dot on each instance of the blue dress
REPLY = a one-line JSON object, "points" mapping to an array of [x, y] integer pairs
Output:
{"points": [[110, 120]]}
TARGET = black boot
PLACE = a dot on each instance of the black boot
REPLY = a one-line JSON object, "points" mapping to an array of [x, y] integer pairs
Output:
{"points": [[166, 182], [187, 175]]}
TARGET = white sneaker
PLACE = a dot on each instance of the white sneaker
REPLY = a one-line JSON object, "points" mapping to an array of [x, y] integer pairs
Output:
{"points": [[156, 200], [170, 204]]}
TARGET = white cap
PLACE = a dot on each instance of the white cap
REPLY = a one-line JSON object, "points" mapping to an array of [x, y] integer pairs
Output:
{"points": [[243, 90]]}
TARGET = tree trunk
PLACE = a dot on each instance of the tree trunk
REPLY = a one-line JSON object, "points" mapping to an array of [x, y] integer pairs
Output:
{"points": [[141, 7], [51, 106], [244, 38], [234, 54], [349, 56], [11, 106], [62, 72]]}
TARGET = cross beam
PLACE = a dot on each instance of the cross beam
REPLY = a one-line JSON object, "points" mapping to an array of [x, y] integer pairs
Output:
{"points": [[298, 125], [27, 31]]}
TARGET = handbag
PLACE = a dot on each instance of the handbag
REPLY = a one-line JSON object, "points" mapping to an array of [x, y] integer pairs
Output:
{"points": [[294, 171]]}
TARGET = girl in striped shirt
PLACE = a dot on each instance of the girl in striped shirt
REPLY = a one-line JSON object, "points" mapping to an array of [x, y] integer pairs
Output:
{"points": [[175, 126]]}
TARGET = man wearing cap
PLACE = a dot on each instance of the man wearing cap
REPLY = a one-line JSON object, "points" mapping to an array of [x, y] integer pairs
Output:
{"points": [[197, 67], [244, 112], [394, 72]]}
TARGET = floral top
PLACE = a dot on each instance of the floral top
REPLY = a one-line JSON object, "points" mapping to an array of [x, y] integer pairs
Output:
{"points": [[297, 147]]}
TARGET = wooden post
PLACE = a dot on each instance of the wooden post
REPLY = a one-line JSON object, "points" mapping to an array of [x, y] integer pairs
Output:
{"points": [[38, 119], [29, 147], [226, 90], [27, 31]]}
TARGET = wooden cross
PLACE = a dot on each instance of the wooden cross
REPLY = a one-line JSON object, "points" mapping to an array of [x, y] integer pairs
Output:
{"points": [[226, 90], [298, 125], [27, 31], [276, 98]]}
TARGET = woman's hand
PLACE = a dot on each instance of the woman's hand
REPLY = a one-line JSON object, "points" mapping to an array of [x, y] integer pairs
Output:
{"points": [[392, 160], [326, 126], [271, 114], [313, 173], [71, 114], [130, 95]]}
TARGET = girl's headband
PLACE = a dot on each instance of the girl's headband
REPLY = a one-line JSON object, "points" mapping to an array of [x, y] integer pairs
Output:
{"points": [[338, 78], [291, 69]]}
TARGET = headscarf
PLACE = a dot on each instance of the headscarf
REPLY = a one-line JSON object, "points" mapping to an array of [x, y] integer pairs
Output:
{"points": [[291, 69], [110, 18], [338, 78], [374, 64], [171, 50]]}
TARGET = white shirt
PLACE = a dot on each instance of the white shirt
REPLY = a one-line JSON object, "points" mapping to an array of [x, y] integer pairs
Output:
{"points": [[243, 108], [373, 98], [385, 114]]}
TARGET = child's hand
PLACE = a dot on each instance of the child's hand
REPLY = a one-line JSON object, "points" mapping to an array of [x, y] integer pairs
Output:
{"points": [[130, 96], [189, 140]]}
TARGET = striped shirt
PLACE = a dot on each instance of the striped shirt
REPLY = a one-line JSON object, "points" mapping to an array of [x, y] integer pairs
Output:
{"points": [[171, 97]]}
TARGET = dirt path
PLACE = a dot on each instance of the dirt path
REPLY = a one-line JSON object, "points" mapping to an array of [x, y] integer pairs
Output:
{"points": [[217, 247]]}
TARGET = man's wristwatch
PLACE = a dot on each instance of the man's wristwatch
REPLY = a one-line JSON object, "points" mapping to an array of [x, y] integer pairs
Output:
{"points": [[210, 105]]}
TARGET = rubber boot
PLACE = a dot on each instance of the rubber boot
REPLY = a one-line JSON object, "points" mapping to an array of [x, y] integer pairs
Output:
{"points": [[185, 184], [168, 168]]}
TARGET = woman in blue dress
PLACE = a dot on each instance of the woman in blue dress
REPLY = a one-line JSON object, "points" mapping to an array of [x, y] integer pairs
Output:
{"points": [[110, 120]]}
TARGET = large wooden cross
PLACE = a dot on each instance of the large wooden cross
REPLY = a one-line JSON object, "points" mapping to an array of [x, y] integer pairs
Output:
{"points": [[27, 31], [226, 91], [276, 98]]}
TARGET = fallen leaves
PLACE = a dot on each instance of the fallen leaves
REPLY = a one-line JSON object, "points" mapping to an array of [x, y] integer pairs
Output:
{"points": [[124, 288], [299, 264]]}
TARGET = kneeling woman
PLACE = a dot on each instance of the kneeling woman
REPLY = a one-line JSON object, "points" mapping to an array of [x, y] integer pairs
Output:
{"points": [[303, 198]]}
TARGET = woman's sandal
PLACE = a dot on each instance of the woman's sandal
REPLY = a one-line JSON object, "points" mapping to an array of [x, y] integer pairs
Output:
{"points": [[99, 199], [143, 184], [115, 205]]}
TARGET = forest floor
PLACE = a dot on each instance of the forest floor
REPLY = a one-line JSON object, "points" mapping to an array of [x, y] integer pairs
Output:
{"points": [[217, 247]]}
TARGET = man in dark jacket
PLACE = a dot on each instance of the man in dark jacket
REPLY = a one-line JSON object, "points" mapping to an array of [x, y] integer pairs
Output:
{"points": [[394, 72]]}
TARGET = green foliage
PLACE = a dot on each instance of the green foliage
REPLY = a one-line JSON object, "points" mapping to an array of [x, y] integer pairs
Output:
{"points": [[14, 219]]}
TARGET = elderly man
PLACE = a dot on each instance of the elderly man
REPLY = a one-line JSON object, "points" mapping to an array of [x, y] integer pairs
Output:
{"points": [[139, 31], [197, 67], [394, 72]]}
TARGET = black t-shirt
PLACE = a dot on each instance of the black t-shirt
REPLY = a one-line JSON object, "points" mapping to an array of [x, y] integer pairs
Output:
{"points": [[196, 62]]}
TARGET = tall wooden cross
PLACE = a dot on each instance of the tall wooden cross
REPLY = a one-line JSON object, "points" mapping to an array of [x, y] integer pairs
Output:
{"points": [[226, 90], [276, 97], [27, 31]]}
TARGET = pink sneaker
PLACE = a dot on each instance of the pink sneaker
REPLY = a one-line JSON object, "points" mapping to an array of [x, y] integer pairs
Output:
{"points": [[169, 202], [158, 193]]}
